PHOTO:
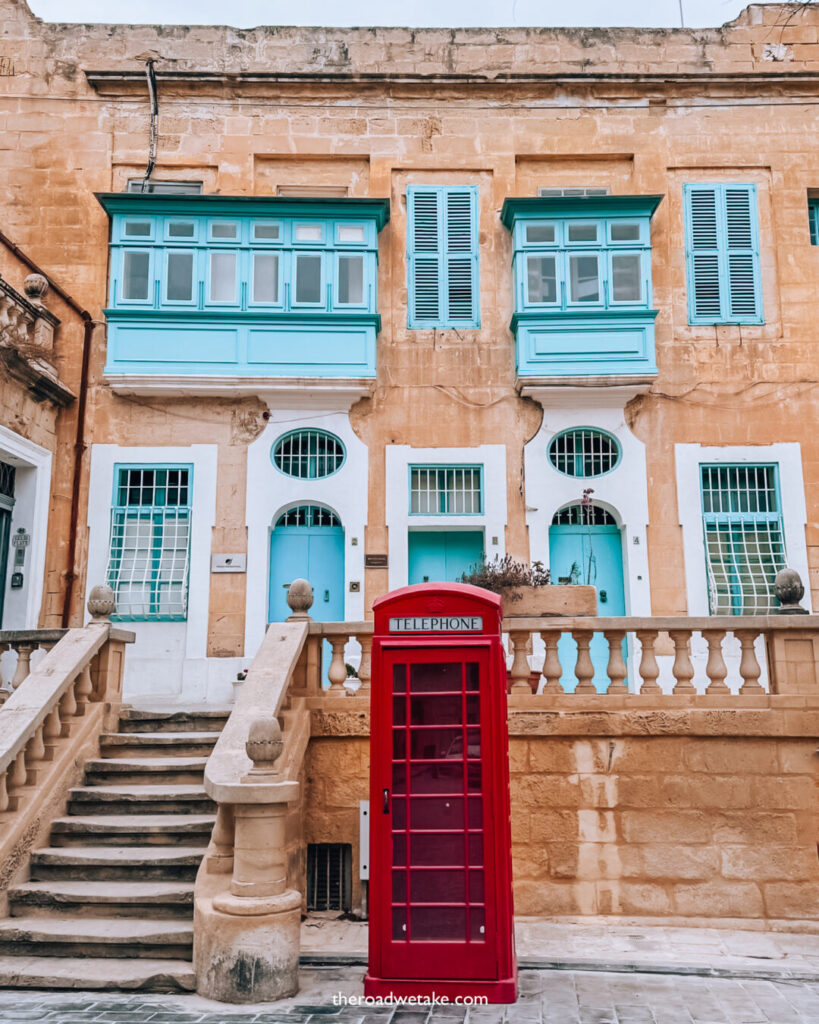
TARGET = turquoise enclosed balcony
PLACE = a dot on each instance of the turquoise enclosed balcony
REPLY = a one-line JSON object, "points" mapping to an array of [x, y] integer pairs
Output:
{"points": [[582, 278], [212, 293]]}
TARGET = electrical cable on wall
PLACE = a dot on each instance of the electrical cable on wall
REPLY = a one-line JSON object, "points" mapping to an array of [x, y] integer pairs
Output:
{"points": [[152, 130]]}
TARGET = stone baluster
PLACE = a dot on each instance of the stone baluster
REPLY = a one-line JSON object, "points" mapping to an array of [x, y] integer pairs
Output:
{"points": [[18, 776], [53, 725], [649, 669], [519, 672], [36, 748], [749, 667], [365, 669], [68, 702], [5, 690], [24, 652], [220, 856], [552, 669], [338, 669], [616, 668], [4, 793], [682, 670], [85, 687], [715, 669], [584, 669]]}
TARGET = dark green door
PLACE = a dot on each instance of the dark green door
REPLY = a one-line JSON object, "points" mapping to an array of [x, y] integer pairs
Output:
{"points": [[7, 473]]}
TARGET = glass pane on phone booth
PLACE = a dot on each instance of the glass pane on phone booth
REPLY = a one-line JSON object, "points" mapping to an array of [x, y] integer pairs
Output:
{"points": [[437, 818]]}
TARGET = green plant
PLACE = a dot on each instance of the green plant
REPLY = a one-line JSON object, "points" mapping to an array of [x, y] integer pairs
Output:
{"points": [[501, 573]]}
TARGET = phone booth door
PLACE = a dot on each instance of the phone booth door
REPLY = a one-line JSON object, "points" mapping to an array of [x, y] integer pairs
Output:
{"points": [[434, 798]]}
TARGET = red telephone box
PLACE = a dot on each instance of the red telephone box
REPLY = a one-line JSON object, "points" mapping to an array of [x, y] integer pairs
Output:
{"points": [[441, 918]]}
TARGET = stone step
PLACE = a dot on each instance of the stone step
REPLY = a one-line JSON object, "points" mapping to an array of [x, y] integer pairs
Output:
{"points": [[126, 770], [73, 936], [157, 744], [102, 899], [197, 719], [133, 829], [92, 974], [137, 799], [109, 863]]}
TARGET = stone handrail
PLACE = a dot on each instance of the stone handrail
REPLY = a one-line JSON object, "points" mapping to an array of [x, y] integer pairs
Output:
{"points": [[50, 723], [243, 908], [668, 655]]}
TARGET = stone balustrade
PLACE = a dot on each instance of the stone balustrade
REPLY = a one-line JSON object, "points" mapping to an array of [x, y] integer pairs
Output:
{"points": [[24, 643], [246, 925], [52, 718], [645, 657]]}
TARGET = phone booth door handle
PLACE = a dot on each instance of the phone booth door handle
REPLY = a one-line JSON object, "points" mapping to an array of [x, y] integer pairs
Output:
{"points": [[386, 801]]}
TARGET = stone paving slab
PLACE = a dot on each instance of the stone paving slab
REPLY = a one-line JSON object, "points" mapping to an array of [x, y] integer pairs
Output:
{"points": [[546, 997]]}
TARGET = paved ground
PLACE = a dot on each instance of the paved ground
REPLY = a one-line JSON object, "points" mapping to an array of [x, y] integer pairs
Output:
{"points": [[546, 997]]}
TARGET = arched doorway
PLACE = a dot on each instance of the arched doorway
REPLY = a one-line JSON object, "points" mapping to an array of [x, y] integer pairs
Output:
{"points": [[585, 546], [307, 542]]}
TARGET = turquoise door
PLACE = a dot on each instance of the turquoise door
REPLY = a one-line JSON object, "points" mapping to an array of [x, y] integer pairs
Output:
{"points": [[589, 554], [312, 552], [441, 556]]}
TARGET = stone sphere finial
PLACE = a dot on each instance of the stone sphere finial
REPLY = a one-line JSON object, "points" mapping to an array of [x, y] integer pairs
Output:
{"points": [[264, 746], [790, 590], [102, 603], [35, 286], [300, 599]]}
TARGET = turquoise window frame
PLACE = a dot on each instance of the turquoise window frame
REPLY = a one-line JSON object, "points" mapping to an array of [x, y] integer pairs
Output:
{"points": [[156, 539], [722, 252], [813, 219], [192, 302], [330, 216], [180, 240], [736, 521], [443, 257], [269, 250], [563, 250], [442, 493]]}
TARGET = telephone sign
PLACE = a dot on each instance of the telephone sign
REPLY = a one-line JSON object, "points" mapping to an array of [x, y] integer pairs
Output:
{"points": [[440, 847]]}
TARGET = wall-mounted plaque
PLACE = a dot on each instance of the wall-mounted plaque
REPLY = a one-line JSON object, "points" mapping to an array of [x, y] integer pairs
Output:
{"points": [[376, 561]]}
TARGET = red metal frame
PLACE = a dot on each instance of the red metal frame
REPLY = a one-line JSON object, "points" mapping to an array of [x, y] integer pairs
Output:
{"points": [[430, 892]]}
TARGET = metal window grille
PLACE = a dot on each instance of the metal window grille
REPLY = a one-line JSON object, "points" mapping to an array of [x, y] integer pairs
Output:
{"points": [[584, 453], [744, 538], [150, 544], [308, 454], [446, 490], [7, 474], [329, 876], [308, 515], [583, 515]]}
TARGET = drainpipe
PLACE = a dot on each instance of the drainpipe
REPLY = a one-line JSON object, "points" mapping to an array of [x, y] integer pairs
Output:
{"points": [[82, 402]]}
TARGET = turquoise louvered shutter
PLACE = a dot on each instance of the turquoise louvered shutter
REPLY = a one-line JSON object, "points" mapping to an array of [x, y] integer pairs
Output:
{"points": [[443, 256], [722, 247]]}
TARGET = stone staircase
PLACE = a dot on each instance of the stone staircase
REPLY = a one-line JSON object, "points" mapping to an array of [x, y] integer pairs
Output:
{"points": [[109, 904]]}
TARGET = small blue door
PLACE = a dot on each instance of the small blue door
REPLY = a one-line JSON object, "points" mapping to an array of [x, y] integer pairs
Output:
{"points": [[308, 543], [441, 556], [590, 554]]}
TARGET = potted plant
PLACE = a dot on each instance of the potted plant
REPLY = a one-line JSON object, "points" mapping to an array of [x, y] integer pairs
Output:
{"points": [[526, 591]]}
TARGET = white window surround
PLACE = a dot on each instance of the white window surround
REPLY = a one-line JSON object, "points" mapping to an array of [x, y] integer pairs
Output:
{"points": [[689, 458], [271, 492], [31, 504], [623, 491], [169, 659], [399, 458]]}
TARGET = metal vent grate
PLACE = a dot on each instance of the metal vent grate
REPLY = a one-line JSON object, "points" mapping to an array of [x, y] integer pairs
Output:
{"points": [[7, 474], [329, 876], [584, 452], [308, 515], [583, 515], [308, 454]]}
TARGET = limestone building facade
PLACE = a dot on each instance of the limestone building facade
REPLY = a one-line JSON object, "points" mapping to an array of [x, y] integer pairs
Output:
{"points": [[378, 302]]}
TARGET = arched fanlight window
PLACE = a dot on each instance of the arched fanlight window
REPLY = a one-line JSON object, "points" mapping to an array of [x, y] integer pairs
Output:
{"points": [[584, 452], [308, 454], [308, 515], [583, 515]]}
